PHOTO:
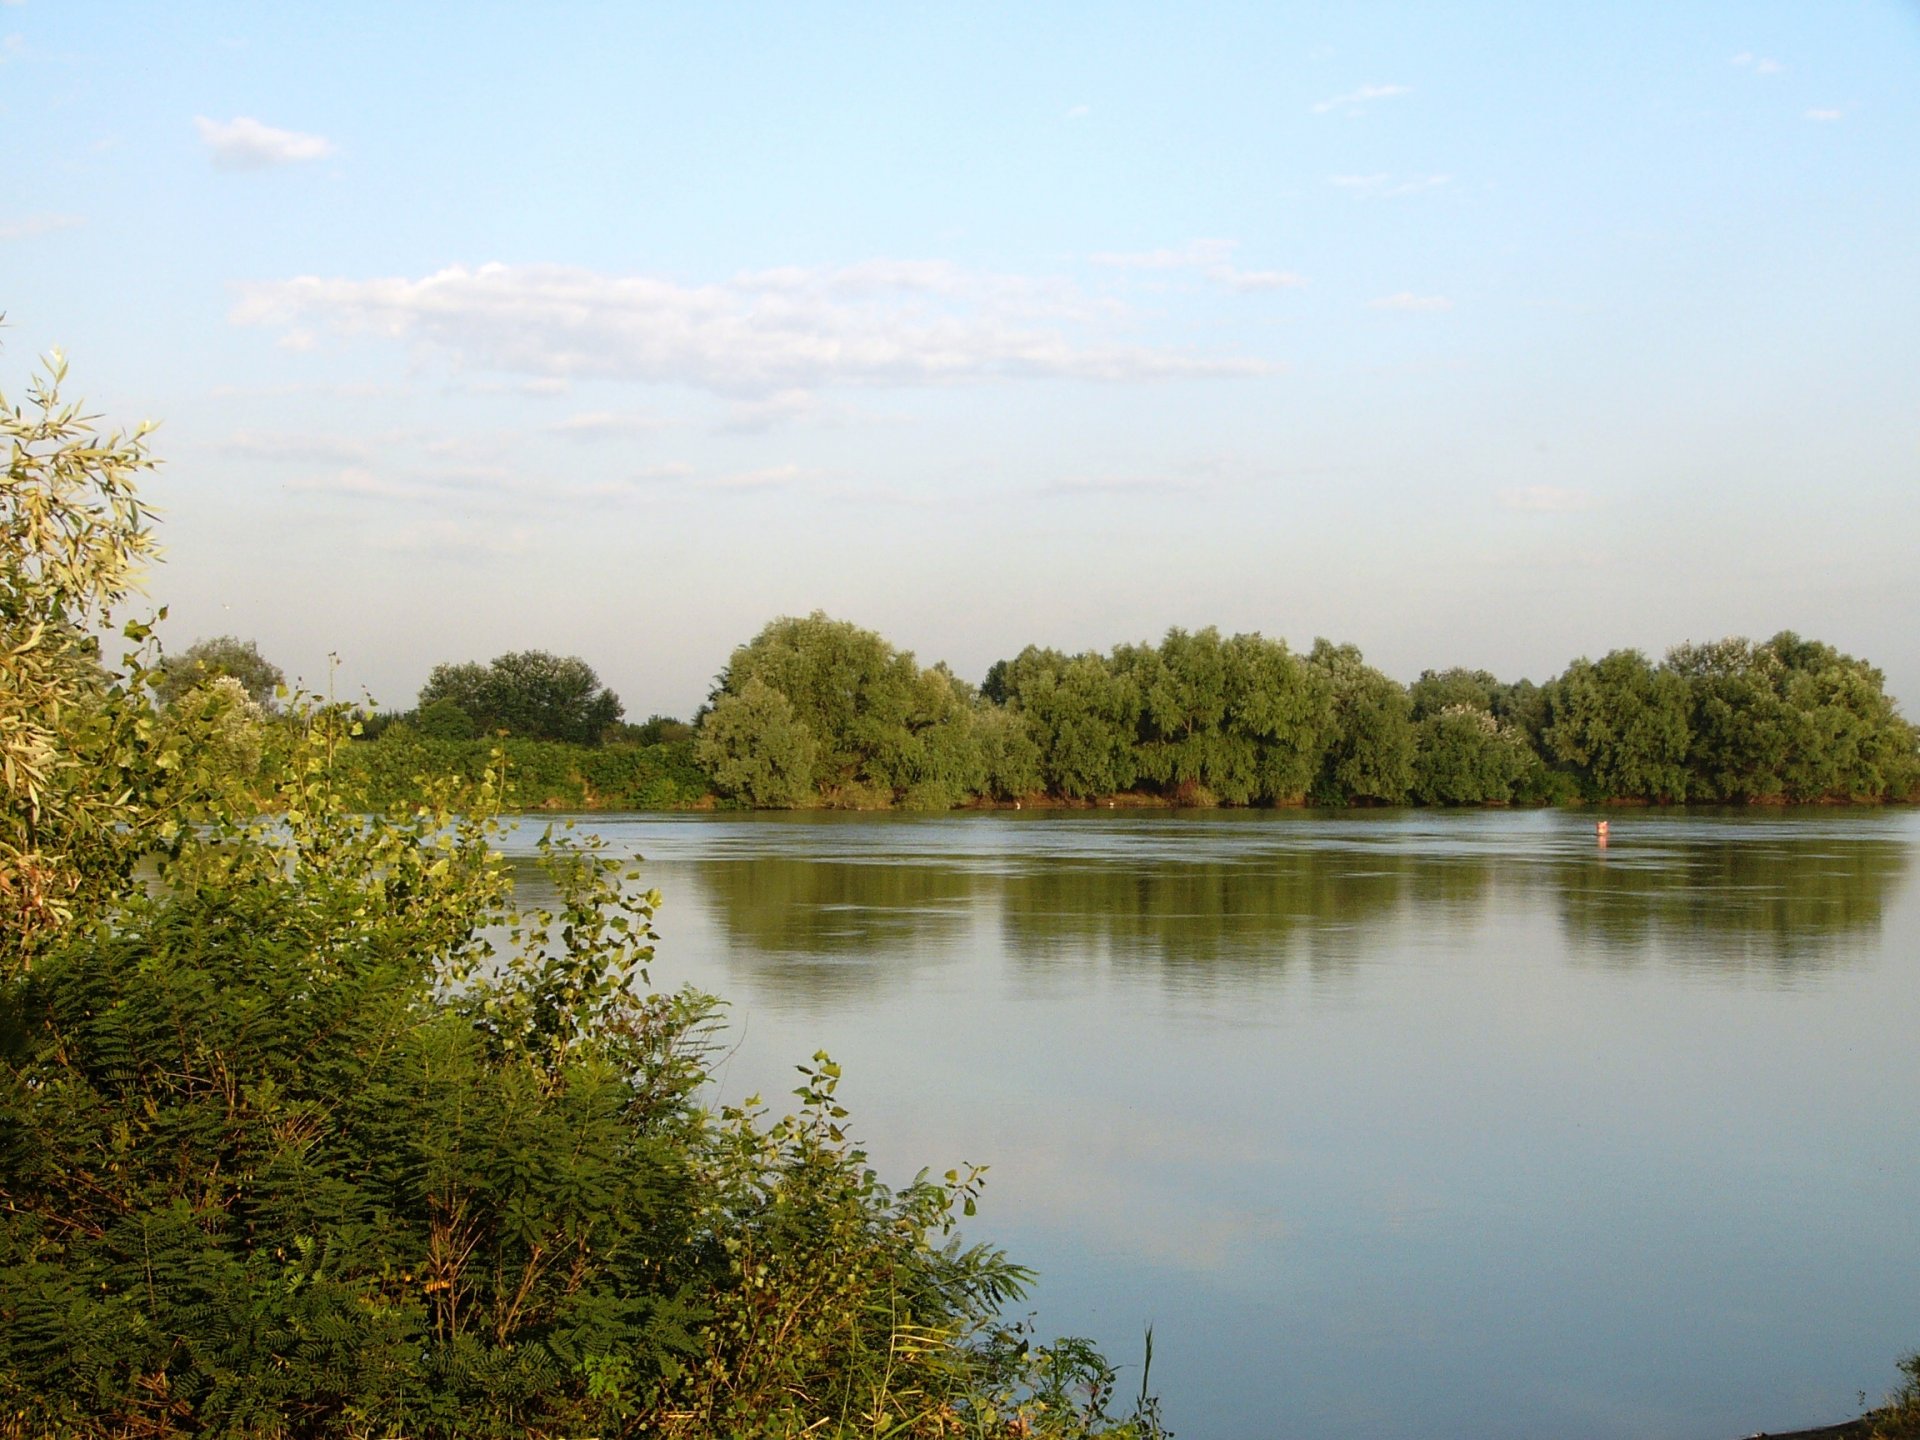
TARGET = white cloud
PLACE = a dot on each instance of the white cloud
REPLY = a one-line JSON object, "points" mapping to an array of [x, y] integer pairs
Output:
{"points": [[1824, 116], [1355, 101], [304, 449], [1211, 258], [770, 477], [606, 425], [1112, 485], [1758, 64], [1374, 187], [454, 538], [245, 144], [1407, 300], [1546, 499], [1079, 112], [759, 334], [33, 225], [298, 340]]}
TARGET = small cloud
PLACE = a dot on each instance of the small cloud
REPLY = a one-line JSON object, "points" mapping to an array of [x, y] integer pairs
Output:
{"points": [[1407, 300], [1370, 187], [1210, 258], [1824, 116], [1079, 112], [305, 449], [1111, 485], [13, 2], [12, 47], [771, 477], [245, 144], [454, 538], [1758, 64], [1355, 101], [34, 225], [605, 425], [1546, 499], [754, 417], [301, 340]]}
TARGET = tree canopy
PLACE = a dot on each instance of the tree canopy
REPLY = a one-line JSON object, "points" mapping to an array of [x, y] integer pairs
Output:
{"points": [[526, 692], [208, 660]]}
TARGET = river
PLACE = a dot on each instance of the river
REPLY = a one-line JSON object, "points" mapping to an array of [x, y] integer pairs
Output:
{"points": [[1391, 1124]]}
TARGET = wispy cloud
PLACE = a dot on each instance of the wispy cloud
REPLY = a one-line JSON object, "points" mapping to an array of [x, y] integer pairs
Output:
{"points": [[606, 425], [1383, 186], [1079, 112], [1825, 116], [757, 335], [454, 538], [1546, 499], [1407, 300], [1758, 64], [32, 225], [243, 143], [299, 449], [1210, 258], [1356, 101], [1118, 485], [768, 477]]}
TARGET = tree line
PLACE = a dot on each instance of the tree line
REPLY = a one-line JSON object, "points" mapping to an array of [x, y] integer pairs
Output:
{"points": [[817, 711]]}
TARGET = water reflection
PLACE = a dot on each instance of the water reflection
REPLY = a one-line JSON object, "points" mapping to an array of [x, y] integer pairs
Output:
{"points": [[831, 909], [1734, 907]]}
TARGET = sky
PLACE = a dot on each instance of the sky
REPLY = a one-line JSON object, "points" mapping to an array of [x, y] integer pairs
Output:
{"points": [[1472, 334]]}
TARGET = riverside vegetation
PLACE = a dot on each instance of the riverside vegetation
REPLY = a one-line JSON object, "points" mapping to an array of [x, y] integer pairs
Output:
{"points": [[307, 1131], [818, 712]]}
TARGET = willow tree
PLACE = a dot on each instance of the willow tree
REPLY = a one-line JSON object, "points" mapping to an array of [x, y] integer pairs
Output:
{"points": [[74, 758]]}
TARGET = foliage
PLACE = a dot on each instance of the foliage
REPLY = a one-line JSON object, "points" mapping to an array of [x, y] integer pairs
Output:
{"points": [[89, 780], [444, 720], [316, 1135], [1899, 1418], [1369, 757], [529, 693], [1463, 756], [222, 656], [815, 710], [398, 770], [753, 745], [1622, 725]]}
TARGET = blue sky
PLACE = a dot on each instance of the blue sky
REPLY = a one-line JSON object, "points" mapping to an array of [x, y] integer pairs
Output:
{"points": [[1473, 334]]}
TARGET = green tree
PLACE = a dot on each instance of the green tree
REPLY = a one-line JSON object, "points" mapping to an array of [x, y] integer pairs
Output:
{"points": [[755, 747], [882, 729], [207, 660], [1622, 725], [1085, 718], [533, 693], [1370, 746], [1463, 756]]}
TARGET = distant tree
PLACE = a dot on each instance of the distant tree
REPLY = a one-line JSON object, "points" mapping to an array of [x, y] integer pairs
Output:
{"points": [[444, 720], [1622, 725], [1085, 717], [528, 692], [1463, 756], [1438, 690], [882, 729], [659, 730], [1370, 749], [755, 747], [206, 660], [1009, 755]]}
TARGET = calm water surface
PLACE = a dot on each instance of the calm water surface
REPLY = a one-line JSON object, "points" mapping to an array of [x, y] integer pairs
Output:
{"points": [[1401, 1124]]}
